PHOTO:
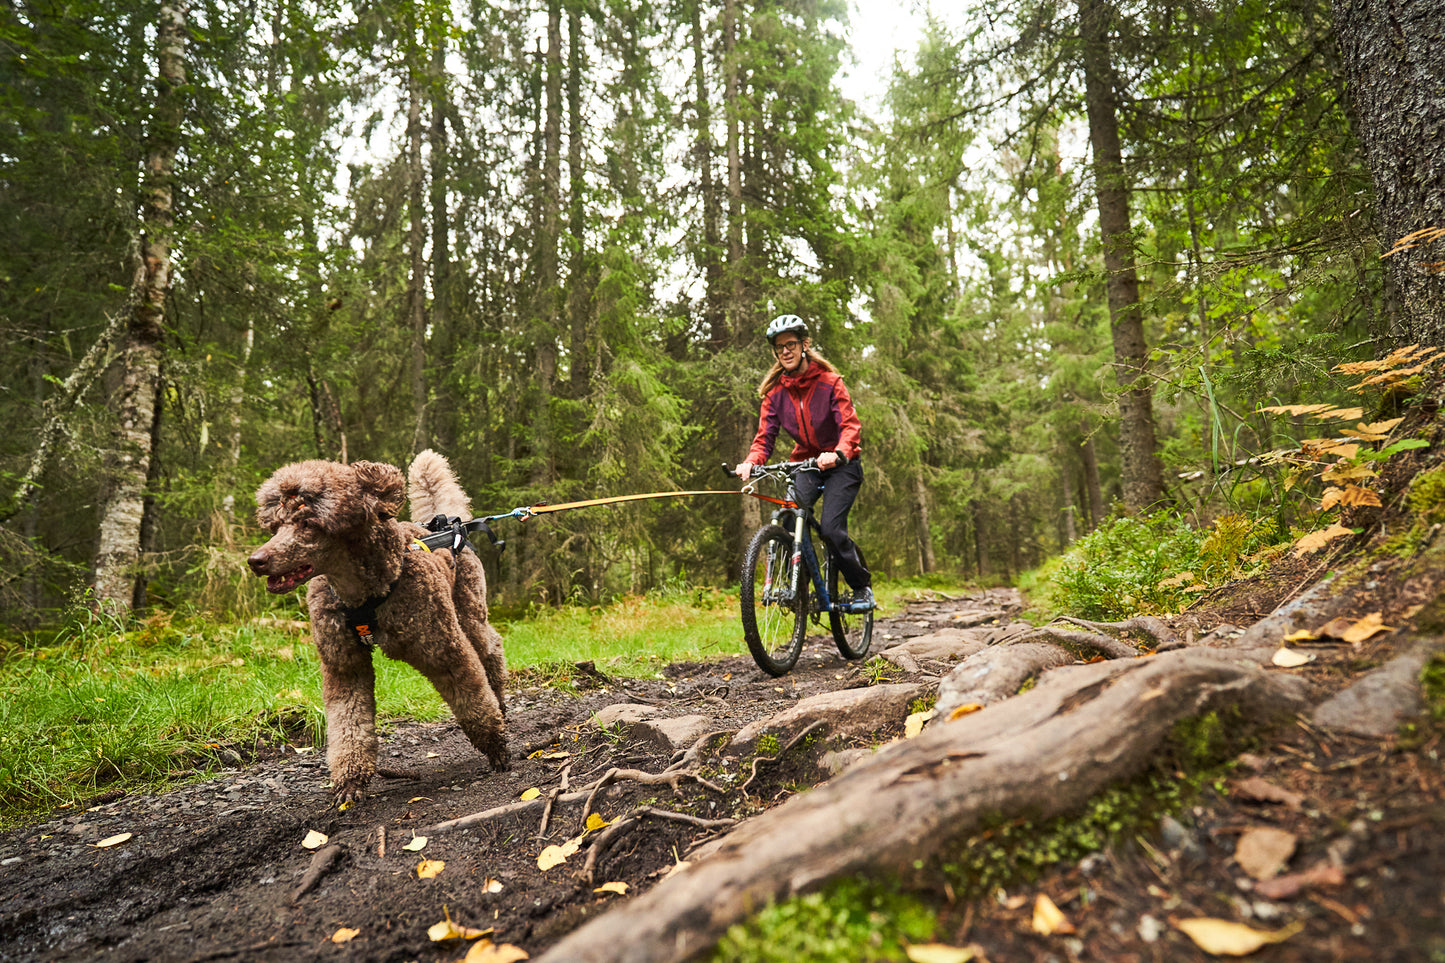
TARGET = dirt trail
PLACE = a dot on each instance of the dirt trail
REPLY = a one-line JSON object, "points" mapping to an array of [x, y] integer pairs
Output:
{"points": [[215, 870]]}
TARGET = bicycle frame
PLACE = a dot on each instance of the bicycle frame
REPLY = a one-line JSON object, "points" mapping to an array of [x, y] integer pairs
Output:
{"points": [[804, 525]]}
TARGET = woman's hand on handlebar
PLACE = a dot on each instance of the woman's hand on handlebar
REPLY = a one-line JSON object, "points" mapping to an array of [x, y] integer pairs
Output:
{"points": [[827, 460], [744, 470]]}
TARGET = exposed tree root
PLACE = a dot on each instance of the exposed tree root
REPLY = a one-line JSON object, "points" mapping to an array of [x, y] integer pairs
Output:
{"points": [[326, 859], [1147, 624], [646, 779], [1042, 753], [996, 673], [773, 760], [608, 836], [551, 799]]}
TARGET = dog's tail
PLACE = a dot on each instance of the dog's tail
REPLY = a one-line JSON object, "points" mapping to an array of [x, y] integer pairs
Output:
{"points": [[434, 490]]}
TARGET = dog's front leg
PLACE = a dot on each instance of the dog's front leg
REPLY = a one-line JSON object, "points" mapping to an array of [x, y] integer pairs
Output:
{"points": [[348, 687]]}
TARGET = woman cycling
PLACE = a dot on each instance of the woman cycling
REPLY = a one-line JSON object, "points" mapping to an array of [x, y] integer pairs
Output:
{"points": [[805, 396]]}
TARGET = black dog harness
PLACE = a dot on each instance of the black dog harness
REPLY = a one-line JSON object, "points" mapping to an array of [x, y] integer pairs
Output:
{"points": [[447, 532]]}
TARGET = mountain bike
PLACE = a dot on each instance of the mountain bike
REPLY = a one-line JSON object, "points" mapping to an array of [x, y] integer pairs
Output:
{"points": [[779, 570]]}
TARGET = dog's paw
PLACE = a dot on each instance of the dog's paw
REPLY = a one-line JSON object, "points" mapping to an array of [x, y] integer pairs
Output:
{"points": [[501, 761], [348, 793]]}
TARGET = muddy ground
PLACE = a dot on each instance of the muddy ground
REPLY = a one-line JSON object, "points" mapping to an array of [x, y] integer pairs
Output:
{"points": [[216, 869]]}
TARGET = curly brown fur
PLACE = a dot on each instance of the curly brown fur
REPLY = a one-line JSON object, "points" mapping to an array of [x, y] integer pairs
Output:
{"points": [[335, 526]]}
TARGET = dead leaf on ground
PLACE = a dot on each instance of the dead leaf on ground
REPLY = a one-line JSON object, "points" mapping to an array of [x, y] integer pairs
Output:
{"points": [[1303, 635], [430, 868], [1262, 851], [1291, 658], [557, 855], [1260, 789], [1345, 471], [448, 929], [345, 935], [110, 841], [1048, 918], [1323, 874], [490, 885], [1223, 938], [315, 840], [596, 822], [941, 953], [417, 844], [1315, 541], [964, 710], [530, 794], [488, 952], [619, 888], [913, 725], [1369, 626]]}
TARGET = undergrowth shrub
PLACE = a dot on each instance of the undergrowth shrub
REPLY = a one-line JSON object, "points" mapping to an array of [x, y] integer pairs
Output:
{"points": [[1116, 571]]}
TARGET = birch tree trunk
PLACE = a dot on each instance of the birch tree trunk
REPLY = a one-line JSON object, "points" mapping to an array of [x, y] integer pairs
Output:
{"points": [[1394, 57], [1143, 479], [137, 397]]}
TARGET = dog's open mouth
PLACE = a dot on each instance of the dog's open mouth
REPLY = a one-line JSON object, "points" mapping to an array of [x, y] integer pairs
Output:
{"points": [[287, 581]]}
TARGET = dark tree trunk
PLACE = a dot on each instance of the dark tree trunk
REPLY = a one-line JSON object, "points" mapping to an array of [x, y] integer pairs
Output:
{"points": [[1143, 480], [416, 293], [1394, 59]]}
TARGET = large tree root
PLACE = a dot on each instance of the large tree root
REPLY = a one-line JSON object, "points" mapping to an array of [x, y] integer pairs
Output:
{"points": [[1043, 753], [623, 823]]}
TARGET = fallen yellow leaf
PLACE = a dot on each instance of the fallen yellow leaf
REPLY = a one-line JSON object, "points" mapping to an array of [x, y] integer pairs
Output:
{"points": [[939, 953], [1291, 658], [488, 952], [1370, 625], [557, 855], [110, 841], [914, 723], [596, 822], [528, 794], [619, 888], [315, 840], [1303, 635], [345, 935], [1223, 938], [1048, 918], [417, 844], [490, 885], [430, 868], [448, 930], [964, 710]]}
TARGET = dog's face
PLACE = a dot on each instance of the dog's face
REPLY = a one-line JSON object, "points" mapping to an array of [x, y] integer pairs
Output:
{"points": [[314, 511]]}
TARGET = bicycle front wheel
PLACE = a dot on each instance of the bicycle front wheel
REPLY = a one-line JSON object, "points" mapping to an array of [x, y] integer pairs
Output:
{"points": [[775, 617], [852, 631]]}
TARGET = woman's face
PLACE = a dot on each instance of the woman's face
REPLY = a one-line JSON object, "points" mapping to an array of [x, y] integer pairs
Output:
{"points": [[790, 350]]}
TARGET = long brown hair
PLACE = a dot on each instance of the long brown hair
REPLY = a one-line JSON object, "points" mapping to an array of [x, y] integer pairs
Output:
{"points": [[776, 372]]}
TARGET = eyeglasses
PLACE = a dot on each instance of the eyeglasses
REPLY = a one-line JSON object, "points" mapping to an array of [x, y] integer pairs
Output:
{"points": [[786, 347]]}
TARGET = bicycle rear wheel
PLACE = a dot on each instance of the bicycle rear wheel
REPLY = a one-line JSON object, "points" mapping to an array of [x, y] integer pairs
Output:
{"points": [[852, 631], [775, 618]]}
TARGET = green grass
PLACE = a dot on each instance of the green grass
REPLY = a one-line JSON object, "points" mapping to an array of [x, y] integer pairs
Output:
{"points": [[99, 706]]}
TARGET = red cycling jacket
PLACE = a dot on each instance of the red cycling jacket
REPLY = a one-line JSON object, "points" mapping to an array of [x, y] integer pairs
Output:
{"points": [[816, 410]]}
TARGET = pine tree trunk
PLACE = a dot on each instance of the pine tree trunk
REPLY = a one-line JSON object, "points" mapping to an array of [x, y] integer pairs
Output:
{"points": [[1092, 485], [579, 283], [1394, 57], [442, 420], [926, 562], [1143, 480], [134, 403], [416, 241], [714, 318]]}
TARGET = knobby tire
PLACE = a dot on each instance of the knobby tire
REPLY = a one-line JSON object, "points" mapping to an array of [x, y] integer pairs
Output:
{"points": [[852, 631], [773, 625]]}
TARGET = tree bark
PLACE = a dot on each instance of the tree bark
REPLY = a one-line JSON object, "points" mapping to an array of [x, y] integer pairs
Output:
{"points": [[135, 400], [1039, 755], [1091, 479], [1394, 57], [926, 562], [1142, 476], [416, 243]]}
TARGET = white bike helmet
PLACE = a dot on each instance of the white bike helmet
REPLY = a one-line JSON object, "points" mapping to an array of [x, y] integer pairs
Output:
{"points": [[786, 322]]}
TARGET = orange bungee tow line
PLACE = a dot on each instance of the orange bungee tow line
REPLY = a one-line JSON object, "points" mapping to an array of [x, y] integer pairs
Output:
{"points": [[452, 532]]}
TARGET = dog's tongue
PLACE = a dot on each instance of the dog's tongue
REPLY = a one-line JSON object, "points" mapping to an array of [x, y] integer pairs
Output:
{"points": [[287, 581]]}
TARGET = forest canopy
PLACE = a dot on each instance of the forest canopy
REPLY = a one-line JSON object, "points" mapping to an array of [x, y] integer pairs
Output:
{"points": [[1062, 270]]}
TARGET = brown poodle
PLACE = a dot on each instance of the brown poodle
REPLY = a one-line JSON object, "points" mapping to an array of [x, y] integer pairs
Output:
{"points": [[374, 583]]}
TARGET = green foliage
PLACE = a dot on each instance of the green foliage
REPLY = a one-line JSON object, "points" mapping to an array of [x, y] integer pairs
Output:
{"points": [[849, 920], [1432, 686], [1117, 570], [768, 744]]}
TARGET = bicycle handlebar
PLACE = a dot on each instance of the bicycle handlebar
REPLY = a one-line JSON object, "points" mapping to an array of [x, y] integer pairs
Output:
{"points": [[777, 468]]}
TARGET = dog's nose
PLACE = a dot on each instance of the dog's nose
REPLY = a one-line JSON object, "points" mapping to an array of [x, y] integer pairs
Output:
{"points": [[258, 561]]}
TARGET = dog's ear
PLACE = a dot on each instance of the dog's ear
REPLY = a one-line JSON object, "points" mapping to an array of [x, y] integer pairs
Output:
{"points": [[383, 486], [268, 504]]}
